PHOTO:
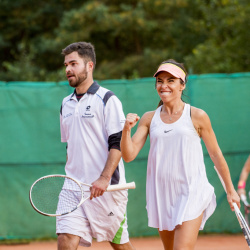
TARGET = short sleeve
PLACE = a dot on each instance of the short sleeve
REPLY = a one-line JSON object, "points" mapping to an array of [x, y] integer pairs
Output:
{"points": [[114, 115]]}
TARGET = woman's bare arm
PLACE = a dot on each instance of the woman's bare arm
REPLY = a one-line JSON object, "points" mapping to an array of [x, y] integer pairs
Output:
{"points": [[131, 146]]}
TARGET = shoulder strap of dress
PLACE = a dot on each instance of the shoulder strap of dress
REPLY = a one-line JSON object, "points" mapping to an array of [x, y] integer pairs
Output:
{"points": [[156, 115], [187, 110], [158, 111]]}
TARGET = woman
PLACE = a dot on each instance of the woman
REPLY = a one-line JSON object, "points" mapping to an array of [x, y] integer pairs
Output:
{"points": [[179, 197]]}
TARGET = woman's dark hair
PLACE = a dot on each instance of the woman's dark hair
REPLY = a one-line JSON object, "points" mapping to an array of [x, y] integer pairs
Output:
{"points": [[180, 65]]}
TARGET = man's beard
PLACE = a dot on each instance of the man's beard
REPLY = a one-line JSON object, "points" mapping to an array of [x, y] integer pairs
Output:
{"points": [[77, 80]]}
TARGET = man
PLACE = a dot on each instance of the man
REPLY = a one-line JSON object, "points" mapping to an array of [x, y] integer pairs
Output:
{"points": [[91, 121]]}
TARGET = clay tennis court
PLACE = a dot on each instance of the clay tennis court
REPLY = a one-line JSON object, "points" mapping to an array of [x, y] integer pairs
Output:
{"points": [[205, 242]]}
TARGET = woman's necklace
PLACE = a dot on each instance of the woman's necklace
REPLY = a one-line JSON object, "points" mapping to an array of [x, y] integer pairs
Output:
{"points": [[175, 113]]}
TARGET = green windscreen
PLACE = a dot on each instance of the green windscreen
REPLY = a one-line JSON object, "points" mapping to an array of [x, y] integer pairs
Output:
{"points": [[30, 145]]}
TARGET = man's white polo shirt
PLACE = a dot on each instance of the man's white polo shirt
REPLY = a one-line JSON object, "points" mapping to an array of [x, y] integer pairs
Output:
{"points": [[86, 126]]}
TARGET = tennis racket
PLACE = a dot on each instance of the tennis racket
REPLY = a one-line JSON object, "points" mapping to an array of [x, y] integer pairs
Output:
{"points": [[243, 224], [56, 195], [246, 207]]}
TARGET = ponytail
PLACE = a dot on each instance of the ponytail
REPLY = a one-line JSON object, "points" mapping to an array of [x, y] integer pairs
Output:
{"points": [[160, 103]]}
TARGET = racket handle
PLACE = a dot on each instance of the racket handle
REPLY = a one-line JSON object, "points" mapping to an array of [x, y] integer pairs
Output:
{"points": [[236, 208], [130, 185], [222, 182]]}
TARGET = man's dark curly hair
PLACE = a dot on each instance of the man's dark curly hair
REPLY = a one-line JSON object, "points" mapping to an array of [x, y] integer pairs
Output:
{"points": [[84, 49]]}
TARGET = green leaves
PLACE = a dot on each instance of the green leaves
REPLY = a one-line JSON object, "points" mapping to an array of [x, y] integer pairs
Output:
{"points": [[131, 38], [225, 48]]}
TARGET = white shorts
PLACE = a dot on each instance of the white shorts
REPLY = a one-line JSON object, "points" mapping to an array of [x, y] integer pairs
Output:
{"points": [[103, 218]]}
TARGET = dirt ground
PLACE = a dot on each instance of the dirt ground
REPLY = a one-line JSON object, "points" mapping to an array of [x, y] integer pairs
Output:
{"points": [[205, 242]]}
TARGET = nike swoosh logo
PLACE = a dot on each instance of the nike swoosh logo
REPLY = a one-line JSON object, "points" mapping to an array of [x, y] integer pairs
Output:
{"points": [[166, 131]]}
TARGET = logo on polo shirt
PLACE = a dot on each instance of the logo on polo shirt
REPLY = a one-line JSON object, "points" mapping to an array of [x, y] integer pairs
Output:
{"points": [[87, 113], [69, 114]]}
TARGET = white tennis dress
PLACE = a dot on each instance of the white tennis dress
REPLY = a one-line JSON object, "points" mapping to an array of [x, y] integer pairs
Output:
{"points": [[177, 186]]}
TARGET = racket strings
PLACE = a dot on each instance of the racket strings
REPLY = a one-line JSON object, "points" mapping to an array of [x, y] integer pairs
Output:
{"points": [[68, 201], [55, 195]]}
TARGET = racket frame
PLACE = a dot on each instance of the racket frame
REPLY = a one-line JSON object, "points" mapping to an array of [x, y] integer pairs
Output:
{"points": [[243, 224], [63, 176], [110, 188]]}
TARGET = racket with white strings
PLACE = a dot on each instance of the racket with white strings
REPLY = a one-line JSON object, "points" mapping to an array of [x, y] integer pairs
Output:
{"points": [[55, 195], [243, 224]]}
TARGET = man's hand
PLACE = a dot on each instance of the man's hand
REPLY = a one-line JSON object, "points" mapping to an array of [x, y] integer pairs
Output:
{"points": [[99, 187]]}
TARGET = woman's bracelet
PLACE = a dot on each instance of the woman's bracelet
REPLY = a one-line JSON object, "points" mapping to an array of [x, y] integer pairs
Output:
{"points": [[241, 184]]}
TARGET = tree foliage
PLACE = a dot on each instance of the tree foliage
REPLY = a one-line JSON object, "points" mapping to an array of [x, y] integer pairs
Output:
{"points": [[131, 37]]}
